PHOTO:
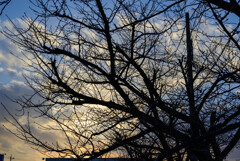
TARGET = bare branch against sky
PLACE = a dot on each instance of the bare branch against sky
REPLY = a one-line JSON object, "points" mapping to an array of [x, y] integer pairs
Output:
{"points": [[3, 5], [129, 78]]}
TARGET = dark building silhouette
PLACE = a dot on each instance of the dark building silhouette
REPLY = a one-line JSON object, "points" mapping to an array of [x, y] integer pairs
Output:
{"points": [[100, 159], [1, 157]]}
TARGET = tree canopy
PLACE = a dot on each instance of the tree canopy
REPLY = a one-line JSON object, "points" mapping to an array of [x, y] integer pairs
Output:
{"points": [[132, 78]]}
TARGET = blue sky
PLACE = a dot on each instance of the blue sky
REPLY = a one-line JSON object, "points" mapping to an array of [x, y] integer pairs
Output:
{"points": [[15, 9]]}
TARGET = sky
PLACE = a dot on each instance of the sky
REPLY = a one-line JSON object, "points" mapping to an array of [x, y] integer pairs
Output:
{"points": [[12, 86]]}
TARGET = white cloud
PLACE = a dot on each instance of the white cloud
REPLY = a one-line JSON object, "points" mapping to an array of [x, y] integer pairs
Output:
{"points": [[11, 70], [10, 60], [17, 82], [7, 24], [10, 53], [14, 73], [1, 69], [6, 87]]}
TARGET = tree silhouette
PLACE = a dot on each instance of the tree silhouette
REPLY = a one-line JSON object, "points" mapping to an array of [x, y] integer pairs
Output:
{"points": [[3, 5], [127, 77]]}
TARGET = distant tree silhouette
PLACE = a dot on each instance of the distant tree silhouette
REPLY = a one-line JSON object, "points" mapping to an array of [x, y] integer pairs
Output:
{"points": [[127, 77]]}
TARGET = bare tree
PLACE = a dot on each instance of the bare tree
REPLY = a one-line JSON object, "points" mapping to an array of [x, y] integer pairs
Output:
{"points": [[127, 78], [3, 5]]}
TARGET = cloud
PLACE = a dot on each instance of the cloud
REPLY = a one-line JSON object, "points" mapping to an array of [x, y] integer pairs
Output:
{"points": [[11, 145], [18, 82], [13, 72], [5, 144], [10, 53], [10, 60], [12, 87], [11, 91]]}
